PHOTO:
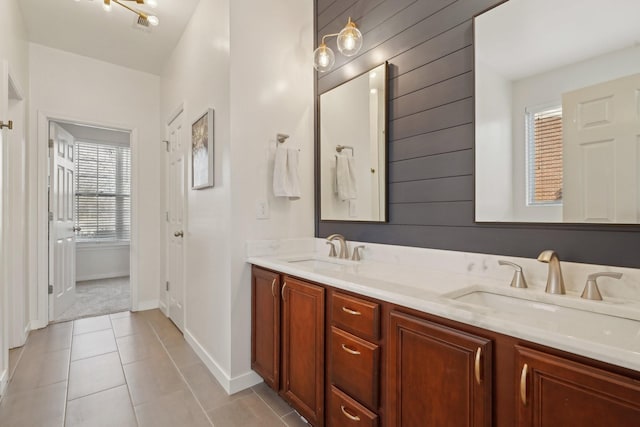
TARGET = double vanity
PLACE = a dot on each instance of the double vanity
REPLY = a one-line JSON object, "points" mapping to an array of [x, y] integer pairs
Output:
{"points": [[395, 340]]}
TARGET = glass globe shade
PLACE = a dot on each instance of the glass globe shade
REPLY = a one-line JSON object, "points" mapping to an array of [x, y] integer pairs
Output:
{"points": [[349, 40], [151, 3], [323, 58], [153, 20]]}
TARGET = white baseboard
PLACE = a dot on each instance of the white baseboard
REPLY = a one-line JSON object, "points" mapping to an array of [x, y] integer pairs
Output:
{"points": [[102, 276], [163, 308], [147, 305], [4, 379], [230, 385]]}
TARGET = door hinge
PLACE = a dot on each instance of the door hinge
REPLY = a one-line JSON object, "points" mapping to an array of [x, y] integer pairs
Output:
{"points": [[167, 286], [50, 216], [50, 289], [166, 216], [166, 143], [51, 143]]}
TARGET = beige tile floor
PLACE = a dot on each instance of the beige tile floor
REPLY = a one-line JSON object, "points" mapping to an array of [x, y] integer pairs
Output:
{"points": [[126, 369]]}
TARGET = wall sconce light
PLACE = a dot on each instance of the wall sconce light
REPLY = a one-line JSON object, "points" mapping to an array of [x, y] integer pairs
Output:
{"points": [[349, 43]]}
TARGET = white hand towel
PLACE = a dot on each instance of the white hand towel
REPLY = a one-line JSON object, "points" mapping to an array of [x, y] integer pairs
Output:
{"points": [[292, 174], [286, 182], [346, 177]]}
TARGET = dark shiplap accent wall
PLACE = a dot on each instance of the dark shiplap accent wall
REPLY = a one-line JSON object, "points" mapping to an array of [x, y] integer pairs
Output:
{"points": [[429, 45]]}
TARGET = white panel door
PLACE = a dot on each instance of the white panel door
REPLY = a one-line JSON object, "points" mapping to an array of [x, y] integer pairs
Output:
{"points": [[176, 198], [601, 142], [62, 241]]}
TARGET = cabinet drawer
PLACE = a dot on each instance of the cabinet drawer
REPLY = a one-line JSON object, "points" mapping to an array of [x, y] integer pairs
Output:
{"points": [[356, 315], [344, 411], [355, 367]]}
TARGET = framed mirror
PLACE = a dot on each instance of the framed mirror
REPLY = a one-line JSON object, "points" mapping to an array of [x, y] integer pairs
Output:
{"points": [[353, 149], [557, 93]]}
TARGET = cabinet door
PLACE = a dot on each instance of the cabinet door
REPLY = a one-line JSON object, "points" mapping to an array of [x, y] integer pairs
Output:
{"points": [[553, 391], [303, 348], [437, 376], [265, 309]]}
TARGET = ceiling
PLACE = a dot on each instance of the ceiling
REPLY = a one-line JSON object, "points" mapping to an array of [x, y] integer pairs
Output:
{"points": [[83, 27]]}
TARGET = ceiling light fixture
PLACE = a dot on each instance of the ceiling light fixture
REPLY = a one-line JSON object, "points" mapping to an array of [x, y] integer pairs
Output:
{"points": [[144, 19], [349, 43]]}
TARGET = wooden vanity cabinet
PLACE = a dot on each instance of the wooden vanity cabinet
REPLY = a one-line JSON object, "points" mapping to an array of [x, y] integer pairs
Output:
{"points": [[265, 322], [354, 366], [391, 366], [437, 376], [554, 391], [287, 339], [303, 348]]}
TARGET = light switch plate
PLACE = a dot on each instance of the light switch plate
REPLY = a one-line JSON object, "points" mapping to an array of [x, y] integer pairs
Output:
{"points": [[262, 209]]}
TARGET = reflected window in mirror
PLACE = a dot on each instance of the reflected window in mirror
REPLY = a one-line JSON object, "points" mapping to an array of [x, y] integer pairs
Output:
{"points": [[352, 162], [557, 121]]}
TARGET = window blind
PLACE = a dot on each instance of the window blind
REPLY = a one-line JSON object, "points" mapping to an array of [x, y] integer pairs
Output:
{"points": [[103, 192], [544, 136]]}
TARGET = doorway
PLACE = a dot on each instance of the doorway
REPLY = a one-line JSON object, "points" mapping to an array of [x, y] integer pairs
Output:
{"points": [[89, 220]]}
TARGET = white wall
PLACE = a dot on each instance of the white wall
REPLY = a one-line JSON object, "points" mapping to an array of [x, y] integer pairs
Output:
{"points": [[13, 60], [271, 91], [221, 62], [73, 87], [197, 74], [101, 261], [494, 169]]}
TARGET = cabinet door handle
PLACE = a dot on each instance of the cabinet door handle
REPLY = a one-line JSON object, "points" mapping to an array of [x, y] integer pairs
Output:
{"points": [[348, 415], [349, 350], [352, 312], [273, 291], [284, 286], [523, 384], [477, 365]]}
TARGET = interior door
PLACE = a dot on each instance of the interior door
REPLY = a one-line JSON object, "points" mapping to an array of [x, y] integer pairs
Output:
{"points": [[62, 241], [601, 148], [176, 182]]}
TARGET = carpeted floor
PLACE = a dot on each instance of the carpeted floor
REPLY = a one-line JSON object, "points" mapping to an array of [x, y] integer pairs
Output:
{"points": [[98, 297]]}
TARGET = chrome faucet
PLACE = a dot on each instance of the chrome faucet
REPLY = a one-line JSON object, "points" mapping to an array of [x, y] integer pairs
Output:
{"points": [[344, 249], [555, 282]]}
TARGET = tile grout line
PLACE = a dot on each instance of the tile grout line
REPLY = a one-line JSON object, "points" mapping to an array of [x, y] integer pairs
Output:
{"points": [[164, 347], [281, 418], [126, 383], [66, 389]]}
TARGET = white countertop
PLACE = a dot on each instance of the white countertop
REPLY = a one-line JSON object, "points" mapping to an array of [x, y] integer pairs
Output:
{"points": [[431, 290]]}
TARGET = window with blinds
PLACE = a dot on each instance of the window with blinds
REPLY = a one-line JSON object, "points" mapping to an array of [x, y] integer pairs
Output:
{"points": [[103, 192], [544, 156]]}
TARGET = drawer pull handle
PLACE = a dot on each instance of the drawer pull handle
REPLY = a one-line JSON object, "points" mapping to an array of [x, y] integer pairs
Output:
{"points": [[477, 365], [352, 312], [523, 384], [349, 350], [284, 286], [348, 415], [273, 284]]}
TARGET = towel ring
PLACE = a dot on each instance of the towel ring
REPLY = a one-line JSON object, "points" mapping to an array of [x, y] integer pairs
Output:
{"points": [[281, 137]]}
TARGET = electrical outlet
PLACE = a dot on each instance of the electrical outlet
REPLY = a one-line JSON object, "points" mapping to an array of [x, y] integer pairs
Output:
{"points": [[262, 209]]}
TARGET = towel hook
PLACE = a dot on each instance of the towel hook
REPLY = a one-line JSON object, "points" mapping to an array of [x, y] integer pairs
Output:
{"points": [[281, 137]]}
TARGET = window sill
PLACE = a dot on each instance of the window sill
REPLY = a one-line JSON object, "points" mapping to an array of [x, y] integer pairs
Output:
{"points": [[101, 245]]}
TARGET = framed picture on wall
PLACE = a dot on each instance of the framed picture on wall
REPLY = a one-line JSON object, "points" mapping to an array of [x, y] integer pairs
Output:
{"points": [[202, 151]]}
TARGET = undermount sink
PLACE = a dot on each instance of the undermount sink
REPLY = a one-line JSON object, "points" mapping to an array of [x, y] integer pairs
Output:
{"points": [[573, 322], [317, 264]]}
